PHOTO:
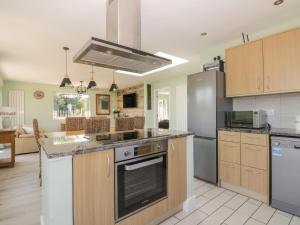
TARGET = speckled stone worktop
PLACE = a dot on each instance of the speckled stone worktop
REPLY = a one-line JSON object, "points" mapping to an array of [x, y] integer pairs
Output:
{"points": [[286, 132], [56, 147]]}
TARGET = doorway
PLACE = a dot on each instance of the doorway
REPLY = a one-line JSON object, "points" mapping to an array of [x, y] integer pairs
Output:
{"points": [[162, 108]]}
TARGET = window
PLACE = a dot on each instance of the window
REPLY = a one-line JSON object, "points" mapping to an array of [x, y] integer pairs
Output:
{"points": [[68, 105]]}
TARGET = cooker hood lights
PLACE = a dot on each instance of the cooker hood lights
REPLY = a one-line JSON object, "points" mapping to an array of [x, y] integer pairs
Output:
{"points": [[121, 49]]}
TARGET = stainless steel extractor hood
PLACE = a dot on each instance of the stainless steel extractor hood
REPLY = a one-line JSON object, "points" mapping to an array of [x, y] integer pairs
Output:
{"points": [[121, 50]]}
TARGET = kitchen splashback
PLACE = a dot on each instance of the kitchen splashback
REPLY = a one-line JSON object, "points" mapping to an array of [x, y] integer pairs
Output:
{"points": [[282, 109]]}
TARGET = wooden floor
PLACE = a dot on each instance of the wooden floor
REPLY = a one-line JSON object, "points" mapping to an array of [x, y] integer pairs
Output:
{"points": [[20, 193]]}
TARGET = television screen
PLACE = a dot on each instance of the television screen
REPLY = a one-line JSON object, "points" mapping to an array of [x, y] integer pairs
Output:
{"points": [[129, 100]]}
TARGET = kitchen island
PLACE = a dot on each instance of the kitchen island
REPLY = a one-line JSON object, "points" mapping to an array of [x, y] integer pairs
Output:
{"points": [[125, 178]]}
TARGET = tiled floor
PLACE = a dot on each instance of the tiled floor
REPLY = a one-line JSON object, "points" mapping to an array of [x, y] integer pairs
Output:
{"points": [[218, 206]]}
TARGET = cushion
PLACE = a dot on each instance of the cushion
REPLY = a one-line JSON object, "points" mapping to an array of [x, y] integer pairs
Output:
{"points": [[26, 136], [28, 129]]}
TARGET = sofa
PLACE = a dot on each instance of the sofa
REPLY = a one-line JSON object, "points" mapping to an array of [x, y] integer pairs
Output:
{"points": [[25, 141]]}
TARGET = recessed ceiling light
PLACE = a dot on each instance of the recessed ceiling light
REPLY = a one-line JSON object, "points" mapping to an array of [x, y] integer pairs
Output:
{"points": [[203, 34], [278, 2]]}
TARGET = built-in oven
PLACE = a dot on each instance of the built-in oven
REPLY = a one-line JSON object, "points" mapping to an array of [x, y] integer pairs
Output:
{"points": [[140, 177]]}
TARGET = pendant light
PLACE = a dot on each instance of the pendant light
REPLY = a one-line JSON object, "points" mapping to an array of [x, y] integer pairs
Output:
{"points": [[114, 86], [92, 84], [66, 82], [81, 89]]}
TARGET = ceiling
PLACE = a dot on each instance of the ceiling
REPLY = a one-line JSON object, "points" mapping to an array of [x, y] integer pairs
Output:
{"points": [[33, 33]]}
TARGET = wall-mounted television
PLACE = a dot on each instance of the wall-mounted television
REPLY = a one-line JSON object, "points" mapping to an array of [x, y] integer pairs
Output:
{"points": [[129, 100]]}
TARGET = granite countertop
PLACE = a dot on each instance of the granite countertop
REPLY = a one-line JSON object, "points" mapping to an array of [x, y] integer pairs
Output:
{"points": [[56, 147], [286, 132]]}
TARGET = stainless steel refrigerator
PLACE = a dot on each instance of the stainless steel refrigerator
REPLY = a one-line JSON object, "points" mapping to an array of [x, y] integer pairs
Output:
{"points": [[206, 112]]}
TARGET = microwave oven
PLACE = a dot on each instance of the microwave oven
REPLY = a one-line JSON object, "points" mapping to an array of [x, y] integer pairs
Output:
{"points": [[246, 119]]}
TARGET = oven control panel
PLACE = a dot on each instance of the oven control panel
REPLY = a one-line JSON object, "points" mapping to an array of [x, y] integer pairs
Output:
{"points": [[134, 151]]}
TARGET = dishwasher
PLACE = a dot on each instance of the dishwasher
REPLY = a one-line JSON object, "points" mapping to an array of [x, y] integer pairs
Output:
{"points": [[286, 174]]}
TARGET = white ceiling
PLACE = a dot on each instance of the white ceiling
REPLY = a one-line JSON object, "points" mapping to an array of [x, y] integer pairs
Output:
{"points": [[34, 31]]}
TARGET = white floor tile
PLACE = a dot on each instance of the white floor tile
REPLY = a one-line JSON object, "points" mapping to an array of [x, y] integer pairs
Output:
{"points": [[264, 213], [200, 201], [236, 202], [202, 189], [253, 222], [171, 221], [213, 192], [231, 193], [218, 216], [242, 214], [182, 214], [193, 219], [284, 213], [280, 219], [295, 220], [254, 201], [216, 203]]}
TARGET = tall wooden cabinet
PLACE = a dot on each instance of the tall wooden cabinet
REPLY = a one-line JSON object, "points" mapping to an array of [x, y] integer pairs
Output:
{"points": [[244, 69], [93, 178], [282, 62], [177, 188]]}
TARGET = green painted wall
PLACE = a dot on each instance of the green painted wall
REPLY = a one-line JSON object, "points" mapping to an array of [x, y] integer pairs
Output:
{"points": [[43, 109]]}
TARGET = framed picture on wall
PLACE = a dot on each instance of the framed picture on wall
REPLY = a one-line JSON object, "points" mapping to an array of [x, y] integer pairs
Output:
{"points": [[102, 104]]}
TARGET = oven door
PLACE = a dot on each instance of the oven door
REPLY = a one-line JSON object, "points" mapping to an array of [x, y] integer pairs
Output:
{"points": [[139, 183]]}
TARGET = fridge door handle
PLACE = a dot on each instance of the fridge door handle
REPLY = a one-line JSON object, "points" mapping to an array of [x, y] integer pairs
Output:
{"points": [[206, 138]]}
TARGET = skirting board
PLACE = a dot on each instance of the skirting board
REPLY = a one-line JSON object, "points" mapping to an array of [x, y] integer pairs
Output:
{"points": [[243, 191], [189, 204]]}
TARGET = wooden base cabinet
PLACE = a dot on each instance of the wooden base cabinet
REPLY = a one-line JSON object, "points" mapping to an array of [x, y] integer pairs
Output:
{"points": [[230, 173], [177, 188], [254, 180], [93, 178], [244, 166], [177, 178]]}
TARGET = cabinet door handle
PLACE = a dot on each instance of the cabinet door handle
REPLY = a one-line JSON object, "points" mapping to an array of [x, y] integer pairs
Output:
{"points": [[108, 165], [258, 173], [258, 84]]}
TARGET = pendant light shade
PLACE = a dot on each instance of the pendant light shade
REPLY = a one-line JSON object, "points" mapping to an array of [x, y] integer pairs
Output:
{"points": [[66, 82], [114, 86], [92, 83]]}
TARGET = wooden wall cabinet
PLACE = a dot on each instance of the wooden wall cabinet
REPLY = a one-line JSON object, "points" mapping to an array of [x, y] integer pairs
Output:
{"points": [[244, 65], [177, 177], [93, 188], [266, 66], [282, 62]]}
